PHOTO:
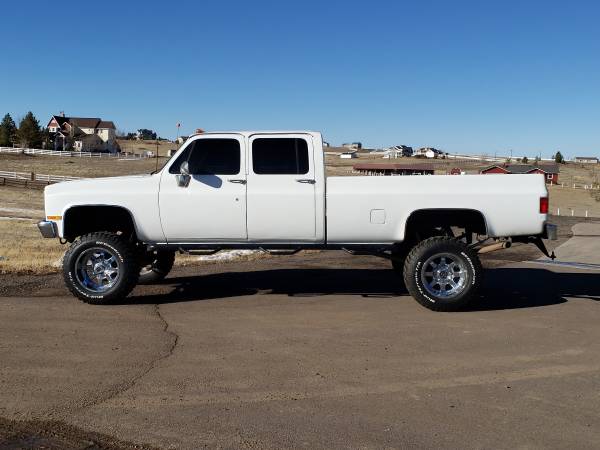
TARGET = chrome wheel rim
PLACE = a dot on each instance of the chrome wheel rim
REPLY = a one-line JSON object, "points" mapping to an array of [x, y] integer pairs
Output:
{"points": [[444, 275], [97, 269]]}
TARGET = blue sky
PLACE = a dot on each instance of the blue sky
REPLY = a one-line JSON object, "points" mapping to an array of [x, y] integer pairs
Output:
{"points": [[464, 76]]}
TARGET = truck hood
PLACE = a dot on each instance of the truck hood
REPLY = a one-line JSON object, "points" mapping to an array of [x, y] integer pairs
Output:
{"points": [[90, 184], [137, 194]]}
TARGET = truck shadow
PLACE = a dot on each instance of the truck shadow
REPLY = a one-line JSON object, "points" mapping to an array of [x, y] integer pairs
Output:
{"points": [[504, 288]]}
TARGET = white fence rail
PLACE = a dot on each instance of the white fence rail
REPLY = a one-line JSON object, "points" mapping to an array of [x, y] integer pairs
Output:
{"points": [[35, 151], [37, 177]]}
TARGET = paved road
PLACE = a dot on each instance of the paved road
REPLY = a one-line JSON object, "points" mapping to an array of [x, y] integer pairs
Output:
{"points": [[318, 358]]}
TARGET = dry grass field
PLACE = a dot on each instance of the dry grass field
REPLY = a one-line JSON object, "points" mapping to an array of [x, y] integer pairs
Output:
{"points": [[139, 147], [580, 174], [23, 250], [578, 202], [76, 166], [14, 199]]}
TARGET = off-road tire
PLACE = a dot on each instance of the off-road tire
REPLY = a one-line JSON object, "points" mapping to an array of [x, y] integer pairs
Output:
{"points": [[427, 249], [128, 266], [161, 263]]}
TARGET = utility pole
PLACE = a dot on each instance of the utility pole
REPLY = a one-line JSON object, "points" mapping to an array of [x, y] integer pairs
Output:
{"points": [[157, 145]]}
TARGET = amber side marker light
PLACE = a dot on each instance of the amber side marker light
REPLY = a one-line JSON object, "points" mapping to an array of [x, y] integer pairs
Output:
{"points": [[544, 205], [54, 218]]}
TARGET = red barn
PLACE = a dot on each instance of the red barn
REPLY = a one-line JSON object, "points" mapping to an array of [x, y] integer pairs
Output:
{"points": [[550, 171]]}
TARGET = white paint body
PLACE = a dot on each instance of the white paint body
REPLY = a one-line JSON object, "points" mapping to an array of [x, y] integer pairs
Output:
{"points": [[279, 209]]}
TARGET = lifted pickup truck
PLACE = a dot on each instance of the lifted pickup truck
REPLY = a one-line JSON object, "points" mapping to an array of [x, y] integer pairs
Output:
{"points": [[268, 190]]}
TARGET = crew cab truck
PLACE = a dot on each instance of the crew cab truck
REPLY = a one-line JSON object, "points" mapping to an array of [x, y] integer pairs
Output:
{"points": [[268, 190]]}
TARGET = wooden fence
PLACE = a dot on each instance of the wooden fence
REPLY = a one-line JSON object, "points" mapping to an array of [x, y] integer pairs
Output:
{"points": [[35, 151], [31, 180]]}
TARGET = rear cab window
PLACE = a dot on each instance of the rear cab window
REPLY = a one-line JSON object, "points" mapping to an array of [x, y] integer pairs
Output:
{"points": [[280, 156]]}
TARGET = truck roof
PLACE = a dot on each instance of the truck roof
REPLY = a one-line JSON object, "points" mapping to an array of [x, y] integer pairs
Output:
{"points": [[248, 133]]}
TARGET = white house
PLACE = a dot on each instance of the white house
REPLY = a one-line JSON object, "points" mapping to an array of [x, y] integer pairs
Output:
{"points": [[84, 133], [398, 151], [586, 159], [429, 152], [353, 145]]}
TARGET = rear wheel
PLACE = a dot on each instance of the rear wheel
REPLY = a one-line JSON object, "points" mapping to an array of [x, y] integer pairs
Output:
{"points": [[442, 274], [156, 266], [100, 268]]}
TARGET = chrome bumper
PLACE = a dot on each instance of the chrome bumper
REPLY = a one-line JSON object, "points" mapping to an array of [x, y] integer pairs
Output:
{"points": [[550, 232], [48, 229]]}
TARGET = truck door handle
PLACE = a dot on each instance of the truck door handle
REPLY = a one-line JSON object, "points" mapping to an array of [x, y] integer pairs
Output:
{"points": [[237, 181], [306, 180]]}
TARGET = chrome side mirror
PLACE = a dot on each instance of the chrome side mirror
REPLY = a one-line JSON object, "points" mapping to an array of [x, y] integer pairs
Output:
{"points": [[183, 179]]}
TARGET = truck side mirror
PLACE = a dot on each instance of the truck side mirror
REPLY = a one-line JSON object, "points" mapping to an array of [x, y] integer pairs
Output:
{"points": [[184, 169], [183, 179]]}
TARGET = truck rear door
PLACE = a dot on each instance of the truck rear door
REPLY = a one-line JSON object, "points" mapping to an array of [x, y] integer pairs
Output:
{"points": [[281, 188]]}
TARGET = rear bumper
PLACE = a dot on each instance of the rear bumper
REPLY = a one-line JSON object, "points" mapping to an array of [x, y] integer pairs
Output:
{"points": [[48, 229]]}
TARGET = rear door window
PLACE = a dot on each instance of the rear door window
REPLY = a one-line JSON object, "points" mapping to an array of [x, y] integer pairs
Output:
{"points": [[280, 156]]}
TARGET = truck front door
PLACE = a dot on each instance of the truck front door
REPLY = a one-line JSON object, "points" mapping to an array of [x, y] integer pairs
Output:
{"points": [[213, 205], [281, 188]]}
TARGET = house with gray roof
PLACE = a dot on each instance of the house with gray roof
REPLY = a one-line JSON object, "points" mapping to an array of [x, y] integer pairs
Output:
{"points": [[586, 159]]}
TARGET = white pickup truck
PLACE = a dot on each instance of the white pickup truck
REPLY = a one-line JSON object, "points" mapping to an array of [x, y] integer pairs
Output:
{"points": [[268, 190]]}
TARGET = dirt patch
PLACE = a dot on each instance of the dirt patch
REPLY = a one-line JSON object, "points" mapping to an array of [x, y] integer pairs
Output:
{"points": [[54, 435]]}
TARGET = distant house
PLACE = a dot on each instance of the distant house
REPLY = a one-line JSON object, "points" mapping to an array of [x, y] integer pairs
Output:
{"points": [[394, 169], [586, 159], [398, 151], [429, 152], [348, 155], [550, 171], [84, 133], [353, 145]]}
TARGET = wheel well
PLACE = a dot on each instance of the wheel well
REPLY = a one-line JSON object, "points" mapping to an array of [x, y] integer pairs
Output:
{"points": [[80, 220], [425, 223]]}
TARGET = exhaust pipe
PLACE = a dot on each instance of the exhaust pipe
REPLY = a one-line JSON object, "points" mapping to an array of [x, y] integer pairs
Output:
{"points": [[493, 247]]}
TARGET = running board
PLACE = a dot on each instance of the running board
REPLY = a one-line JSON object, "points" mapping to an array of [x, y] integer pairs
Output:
{"points": [[280, 252], [207, 252]]}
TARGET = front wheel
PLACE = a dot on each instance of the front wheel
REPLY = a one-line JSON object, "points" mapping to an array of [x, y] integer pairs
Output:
{"points": [[100, 268], [442, 274]]}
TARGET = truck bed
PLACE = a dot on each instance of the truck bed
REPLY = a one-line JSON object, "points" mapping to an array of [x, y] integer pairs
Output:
{"points": [[369, 208]]}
